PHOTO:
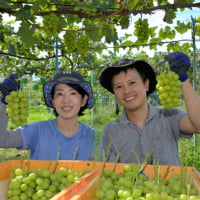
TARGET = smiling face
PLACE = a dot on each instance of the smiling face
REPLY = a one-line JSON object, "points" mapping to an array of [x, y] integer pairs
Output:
{"points": [[130, 90], [67, 101]]}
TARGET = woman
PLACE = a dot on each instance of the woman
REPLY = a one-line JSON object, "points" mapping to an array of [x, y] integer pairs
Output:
{"points": [[63, 138]]}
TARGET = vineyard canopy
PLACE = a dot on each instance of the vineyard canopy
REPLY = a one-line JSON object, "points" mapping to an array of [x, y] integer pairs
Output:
{"points": [[31, 30]]}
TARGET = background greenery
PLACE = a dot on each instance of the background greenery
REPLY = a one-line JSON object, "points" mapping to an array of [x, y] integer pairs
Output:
{"points": [[36, 50]]}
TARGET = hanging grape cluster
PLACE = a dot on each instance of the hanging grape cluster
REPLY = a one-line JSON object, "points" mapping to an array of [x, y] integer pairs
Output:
{"points": [[198, 26], [73, 42], [17, 107], [82, 44], [51, 23], [39, 184], [141, 29], [70, 41], [168, 86]]}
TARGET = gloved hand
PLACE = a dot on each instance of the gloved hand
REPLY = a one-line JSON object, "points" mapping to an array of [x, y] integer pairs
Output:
{"points": [[179, 63], [8, 85]]}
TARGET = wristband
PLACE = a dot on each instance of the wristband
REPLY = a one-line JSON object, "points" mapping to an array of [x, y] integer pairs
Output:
{"points": [[183, 78]]}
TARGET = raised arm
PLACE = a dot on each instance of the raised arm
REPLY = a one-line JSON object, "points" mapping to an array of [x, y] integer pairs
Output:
{"points": [[180, 64], [8, 138]]}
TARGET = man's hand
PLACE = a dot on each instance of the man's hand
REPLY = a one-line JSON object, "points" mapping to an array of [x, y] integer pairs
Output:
{"points": [[9, 84], [179, 63]]}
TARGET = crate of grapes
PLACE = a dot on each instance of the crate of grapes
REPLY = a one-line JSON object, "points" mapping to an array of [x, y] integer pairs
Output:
{"points": [[97, 180], [141, 182], [55, 180]]}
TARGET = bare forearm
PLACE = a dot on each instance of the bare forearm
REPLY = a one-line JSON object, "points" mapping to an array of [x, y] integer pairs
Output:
{"points": [[192, 102]]}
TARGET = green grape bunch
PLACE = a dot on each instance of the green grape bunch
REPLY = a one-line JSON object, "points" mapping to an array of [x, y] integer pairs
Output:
{"points": [[198, 26], [70, 41], [133, 184], [51, 25], [17, 107], [40, 184], [141, 30], [168, 86], [82, 44]]}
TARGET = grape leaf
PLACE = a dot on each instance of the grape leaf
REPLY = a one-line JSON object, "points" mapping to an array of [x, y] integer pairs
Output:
{"points": [[5, 3], [24, 12], [11, 49], [133, 4], [38, 4], [127, 43], [26, 34], [124, 21]]}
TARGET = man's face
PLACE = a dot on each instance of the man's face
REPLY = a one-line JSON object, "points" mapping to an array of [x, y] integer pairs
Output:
{"points": [[129, 89]]}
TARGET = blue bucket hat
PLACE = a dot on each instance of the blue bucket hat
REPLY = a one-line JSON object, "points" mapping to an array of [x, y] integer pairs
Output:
{"points": [[71, 77]]}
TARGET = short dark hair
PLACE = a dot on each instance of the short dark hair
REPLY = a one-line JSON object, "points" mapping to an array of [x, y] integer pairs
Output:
{"points": [[80, 90], [140, 72]]}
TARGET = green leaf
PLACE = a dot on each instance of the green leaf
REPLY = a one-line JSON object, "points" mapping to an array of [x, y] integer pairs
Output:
{"points": [[24, 12], [38, 4], [36, 87], [2, 37], [62, 23], [42, 81], [124, 21], [11, 49], [5, 3], [26, 34], [24, 80], [127, 43], [133, 4]]}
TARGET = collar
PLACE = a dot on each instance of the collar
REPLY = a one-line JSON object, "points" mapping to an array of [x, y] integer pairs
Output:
{"points": [[152, 113]]}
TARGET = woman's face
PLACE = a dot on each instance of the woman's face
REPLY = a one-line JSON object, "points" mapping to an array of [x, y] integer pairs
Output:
{"points": [[129, 89], [67, 101]]}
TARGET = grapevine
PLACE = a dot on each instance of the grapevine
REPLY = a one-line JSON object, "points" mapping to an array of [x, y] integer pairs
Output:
{"points": [[17, 107], [51, 23], [141, 29], [168, 86]]}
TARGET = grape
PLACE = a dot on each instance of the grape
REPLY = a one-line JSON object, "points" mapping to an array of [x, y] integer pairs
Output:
{"points": [[39, 184], [82, 44], [168, 86], [197, 31], [17, 107], [142, 187], [18, 172], [141, 30], [51, 24], [70, 41]]}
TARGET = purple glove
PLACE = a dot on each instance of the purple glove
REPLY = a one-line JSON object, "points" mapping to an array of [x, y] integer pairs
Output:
{"points": [[179, 63], [8, 85]]}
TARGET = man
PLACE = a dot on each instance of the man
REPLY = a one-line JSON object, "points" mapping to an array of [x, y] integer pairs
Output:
{"points": [[144, 133]]}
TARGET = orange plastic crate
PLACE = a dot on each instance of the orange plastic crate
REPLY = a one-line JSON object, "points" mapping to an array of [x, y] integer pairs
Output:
{"points": [[84, 188], [87, 192], [77, 166]]}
